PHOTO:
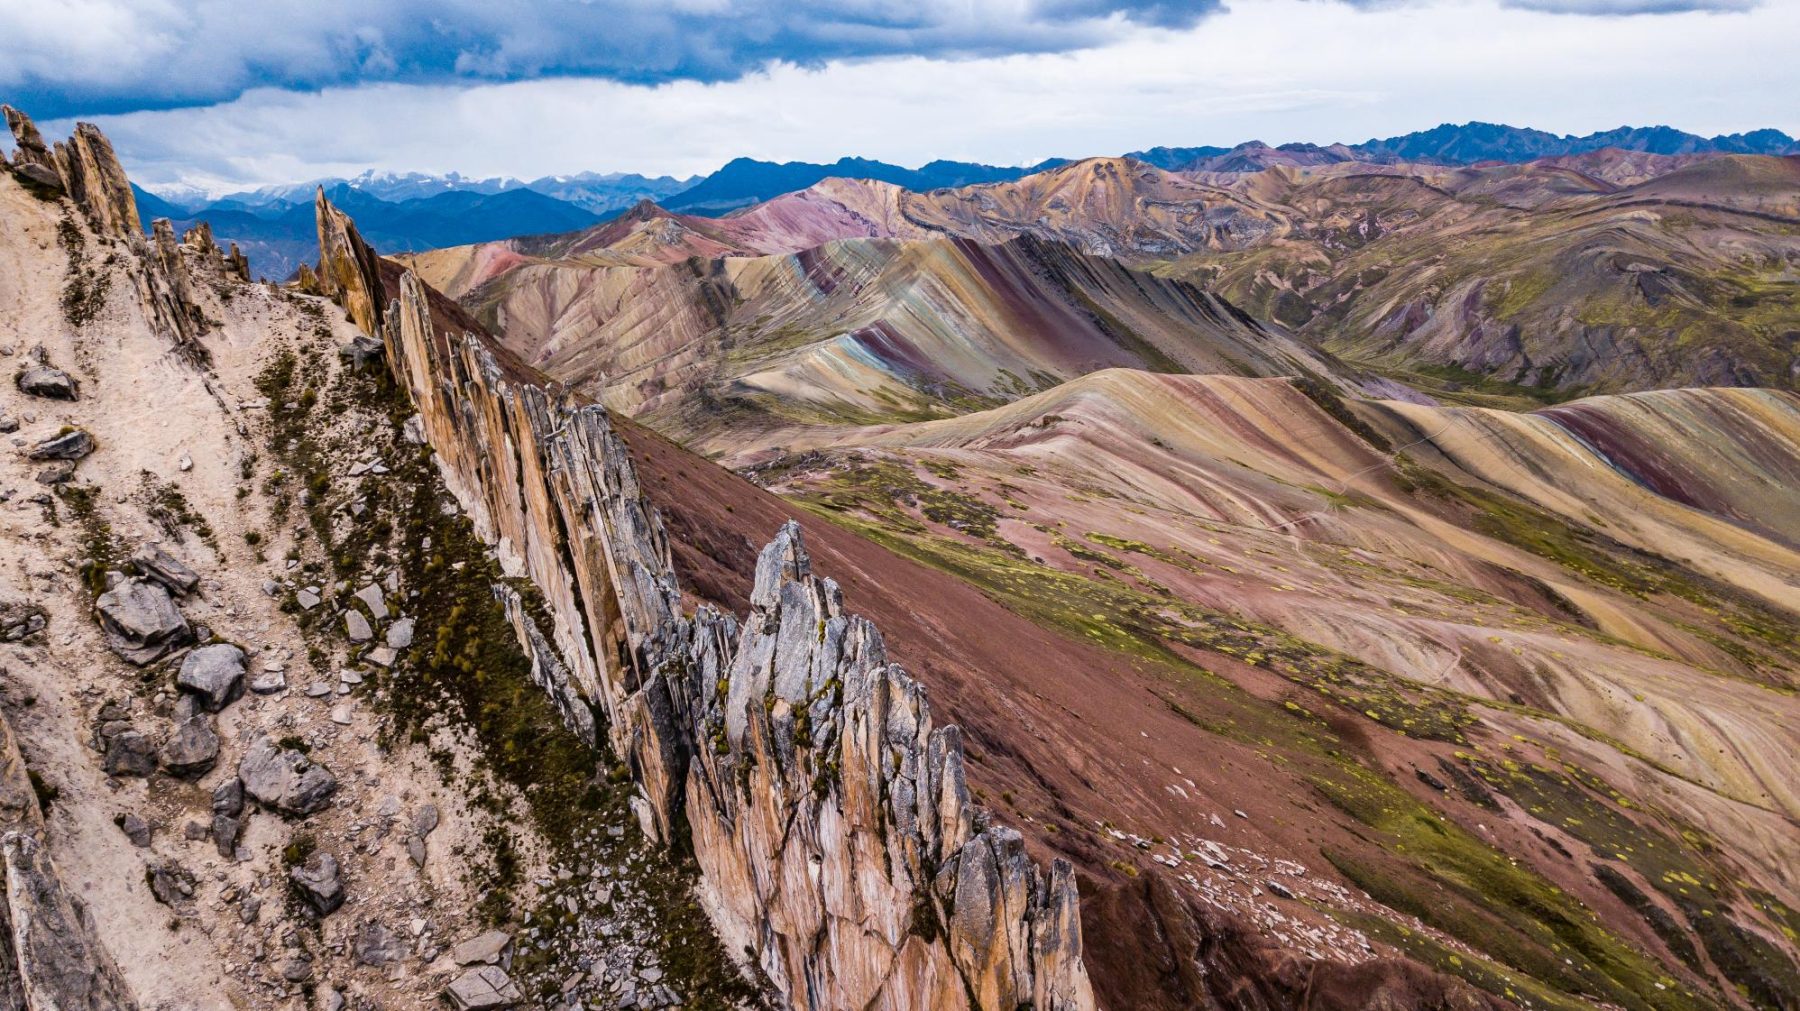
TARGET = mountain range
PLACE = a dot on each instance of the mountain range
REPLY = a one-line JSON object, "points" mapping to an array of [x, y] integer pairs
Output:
{"points": [[1322, 585], [416, 211]]}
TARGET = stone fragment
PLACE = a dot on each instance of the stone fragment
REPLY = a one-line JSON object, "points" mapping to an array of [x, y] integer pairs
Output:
{"points": [[371, 597], [140, 621], [482, 989], [192, 749], [269, 683], [376, 945], [319, 884], [307, 599], [340, 715], [285, 779], [482, 948], [43, 381], [297, 968], [400, 634], [424, 820], [357, 627], [214, 674], [228, 797], [68, 444], [130, 753], [135, 828], [55, 472], [152, 561], [169, 882]]}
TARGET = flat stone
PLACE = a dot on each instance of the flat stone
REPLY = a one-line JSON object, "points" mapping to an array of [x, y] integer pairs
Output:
{"points": [[424, 820], [376, 945], [135, 828], [482, 948], [152, 561], [307, 600], [214, 674], [269, 683], [357, 626], [318, 690], [371, 597], [400, 634], [383, 656], [340, 715], [482, 989]]}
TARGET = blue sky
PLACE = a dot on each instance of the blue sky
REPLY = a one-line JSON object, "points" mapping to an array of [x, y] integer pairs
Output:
{"points": [[219, 93]]}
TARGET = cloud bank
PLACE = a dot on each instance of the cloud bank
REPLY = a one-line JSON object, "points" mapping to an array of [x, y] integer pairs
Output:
{"points": [[87, 57]]}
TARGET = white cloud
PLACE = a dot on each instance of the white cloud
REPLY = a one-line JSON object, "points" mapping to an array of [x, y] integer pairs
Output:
{"points": [[1274, 70]]}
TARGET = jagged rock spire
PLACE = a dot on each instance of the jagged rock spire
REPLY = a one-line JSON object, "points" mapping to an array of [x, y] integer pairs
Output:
{"points": [[349, 271], [84, 167]]}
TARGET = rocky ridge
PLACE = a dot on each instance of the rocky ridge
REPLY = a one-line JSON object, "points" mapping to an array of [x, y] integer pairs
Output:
{"points": [[836, 836]]}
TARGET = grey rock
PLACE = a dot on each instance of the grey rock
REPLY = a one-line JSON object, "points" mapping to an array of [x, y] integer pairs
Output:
{"points": [[482, 948], [154, 562], [226, 831], [331, 1000], [269, 683], [377, 945], [424, 820], [56, 472], [307, 599], [140, 621], [357, 626], [481, 989], [371, 597], [249, 909], [192, 749], [297, 968], [41, 174], [72, 444], [415, 850], [228, 797], [169, 882], [400, 634], [215, 674], [135, 828], [319, 884], [130, 753], [284, 779], [44, 381], [1279, 890]]}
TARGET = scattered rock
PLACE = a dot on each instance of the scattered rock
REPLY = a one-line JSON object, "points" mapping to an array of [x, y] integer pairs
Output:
{"points": [[140, 621], [185, 464], [415, 850], [383, 656], [68, 444], [377, 945], [318, 883], [307, 599], [135, 828], [483, 948], [228, 797], [215, 674], [285, 779], [297, 968], [1279, 890], [483, 988], [20, 620], [340, 715], [192, 749], [44, 381], [153, 561], [371, 597], [56, 472], [169, 882], [226, 831], [130, 753], [357, 626], [269, 683], [424, 820], [400, 634]]}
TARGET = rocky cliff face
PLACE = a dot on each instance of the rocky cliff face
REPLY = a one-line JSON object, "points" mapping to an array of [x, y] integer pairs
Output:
{"points": [[837, 839]]}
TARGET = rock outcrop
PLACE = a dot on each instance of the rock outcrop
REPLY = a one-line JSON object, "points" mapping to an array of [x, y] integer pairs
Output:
{"points": [[85, 169], [50, 957], [836, 836]]}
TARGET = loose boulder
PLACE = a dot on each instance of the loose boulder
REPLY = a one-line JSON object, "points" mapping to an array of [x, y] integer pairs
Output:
{"points": [[284, 779], [318, 883], [192, 749], [213, 674], [130, 753], [44, 381], [68, 444], [141, 622]]}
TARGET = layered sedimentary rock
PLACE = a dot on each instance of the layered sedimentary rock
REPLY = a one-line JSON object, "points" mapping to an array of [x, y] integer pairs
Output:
{"points": [[50, 958], [84, 167], [347, 268], [831, 820]]}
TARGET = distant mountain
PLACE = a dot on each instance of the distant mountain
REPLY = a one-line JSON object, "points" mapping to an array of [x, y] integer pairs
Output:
{"points": [[746, 181], [1476, 142], [1172, 158], [280, 233]]}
